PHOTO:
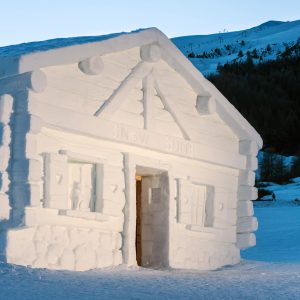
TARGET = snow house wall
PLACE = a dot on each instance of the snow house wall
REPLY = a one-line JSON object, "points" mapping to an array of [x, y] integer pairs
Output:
{"points": [[79, 142]]}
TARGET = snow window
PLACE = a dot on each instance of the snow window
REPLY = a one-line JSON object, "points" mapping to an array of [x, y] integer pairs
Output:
{"points": [[195, 204], [82, 186], [71, 184]]}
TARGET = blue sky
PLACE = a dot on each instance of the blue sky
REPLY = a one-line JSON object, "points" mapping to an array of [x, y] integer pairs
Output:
{"points": [[32, 20]]}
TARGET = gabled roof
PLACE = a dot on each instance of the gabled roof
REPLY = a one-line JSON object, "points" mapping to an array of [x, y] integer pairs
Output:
{"points": [[24, 58]]}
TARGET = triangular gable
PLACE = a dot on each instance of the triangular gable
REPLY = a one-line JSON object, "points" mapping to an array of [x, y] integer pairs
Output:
{"points": [[144, 72], [19, 63]]}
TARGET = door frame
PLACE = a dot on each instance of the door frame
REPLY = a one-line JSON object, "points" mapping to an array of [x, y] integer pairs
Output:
{"points": [[131, 163]]}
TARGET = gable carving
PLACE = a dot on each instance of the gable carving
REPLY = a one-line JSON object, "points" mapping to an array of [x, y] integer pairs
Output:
{"points": [[154, 111]]}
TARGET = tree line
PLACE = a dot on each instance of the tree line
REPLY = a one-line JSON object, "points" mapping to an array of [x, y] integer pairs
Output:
{"points": [[268, 95]]}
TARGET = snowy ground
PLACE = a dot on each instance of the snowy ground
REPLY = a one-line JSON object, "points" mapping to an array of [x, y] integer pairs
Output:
{"points": [[287, 194], [249, 280], [271, 270]]}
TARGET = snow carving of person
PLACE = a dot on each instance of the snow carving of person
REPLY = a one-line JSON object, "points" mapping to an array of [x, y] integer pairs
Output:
{"points": [[76, 195], [273, 197], [80, 201]]}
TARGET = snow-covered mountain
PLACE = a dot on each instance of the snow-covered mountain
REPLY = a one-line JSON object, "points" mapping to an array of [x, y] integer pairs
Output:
{"points": [[264, 42]]}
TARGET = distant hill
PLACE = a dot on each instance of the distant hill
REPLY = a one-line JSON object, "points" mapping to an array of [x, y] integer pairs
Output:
{"points": [[264, 42], [258, 71]]}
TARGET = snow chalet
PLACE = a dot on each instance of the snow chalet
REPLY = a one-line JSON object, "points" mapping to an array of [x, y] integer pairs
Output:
{"points": [[116, 150]]}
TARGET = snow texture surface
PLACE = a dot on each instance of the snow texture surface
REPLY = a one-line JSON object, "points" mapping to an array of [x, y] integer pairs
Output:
{"points": [[26, 48], [278, 245]]}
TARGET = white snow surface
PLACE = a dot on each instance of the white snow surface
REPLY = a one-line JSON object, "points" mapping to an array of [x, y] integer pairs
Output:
{"points": [[286, 194], [271, 271], [274, 33], [38, 46]]}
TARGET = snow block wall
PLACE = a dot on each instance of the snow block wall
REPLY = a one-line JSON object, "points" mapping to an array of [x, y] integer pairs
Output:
{"points": [[61, 247], [80, 124], [6, 109]]}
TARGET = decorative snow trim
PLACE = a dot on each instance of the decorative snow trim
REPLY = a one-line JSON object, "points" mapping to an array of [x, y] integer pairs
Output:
{"points": [[195, 204], [6, 109], [151, 53], [92, 65], [248, 147], [110, 106], [66, 55], [206, 105], [245, 240], [37, 81]]}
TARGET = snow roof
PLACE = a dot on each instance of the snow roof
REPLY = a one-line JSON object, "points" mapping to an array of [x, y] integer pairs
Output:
{"points": [[18, 59], [31, 47]]}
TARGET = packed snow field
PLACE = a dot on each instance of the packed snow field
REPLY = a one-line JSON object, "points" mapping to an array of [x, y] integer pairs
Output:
{"points": [[271, 270], [248, 280]]}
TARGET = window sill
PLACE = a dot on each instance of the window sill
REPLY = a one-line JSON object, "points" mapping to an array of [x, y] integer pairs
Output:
{"points": [[61, 217], [88, 215], [227, 235]]}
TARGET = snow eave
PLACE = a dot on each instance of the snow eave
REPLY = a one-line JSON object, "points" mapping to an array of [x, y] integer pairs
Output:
{"points": [[14, 65]]}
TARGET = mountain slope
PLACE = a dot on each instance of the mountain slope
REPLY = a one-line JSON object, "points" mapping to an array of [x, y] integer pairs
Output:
{"points": [[268, 96], [264, 42]]}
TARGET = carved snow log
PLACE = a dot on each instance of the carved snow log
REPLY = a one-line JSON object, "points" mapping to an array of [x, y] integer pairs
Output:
{"points": [[113, 193], [151, 53], [205, 105], [25, 148], [245, 208], [227, 234], [246, 177], [112, 104], [84, 215], [6, 107], [245, 240], [26, 170], [246, 224], [128, 249], [27, 123], [247, 193], [5, 135], [169, 128], [225, 218], [4, 182], [24, 194], [45, 216], [137, 93], [247, 147], [225, 221], [148, 97], [252, 163], [164, 116], [129, 118], [100, 128], [170, 106], [4, 207], [92, 65], [135, 107], [35, 80], [112, 208], [5, 156]]}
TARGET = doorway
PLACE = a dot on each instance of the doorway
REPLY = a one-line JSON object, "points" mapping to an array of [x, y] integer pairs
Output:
{"points": [[152, 203], [138, 233]]}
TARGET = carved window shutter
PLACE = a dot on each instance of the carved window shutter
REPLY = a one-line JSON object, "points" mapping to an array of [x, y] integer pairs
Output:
{"points": [[191, 204], [56, 181]]}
